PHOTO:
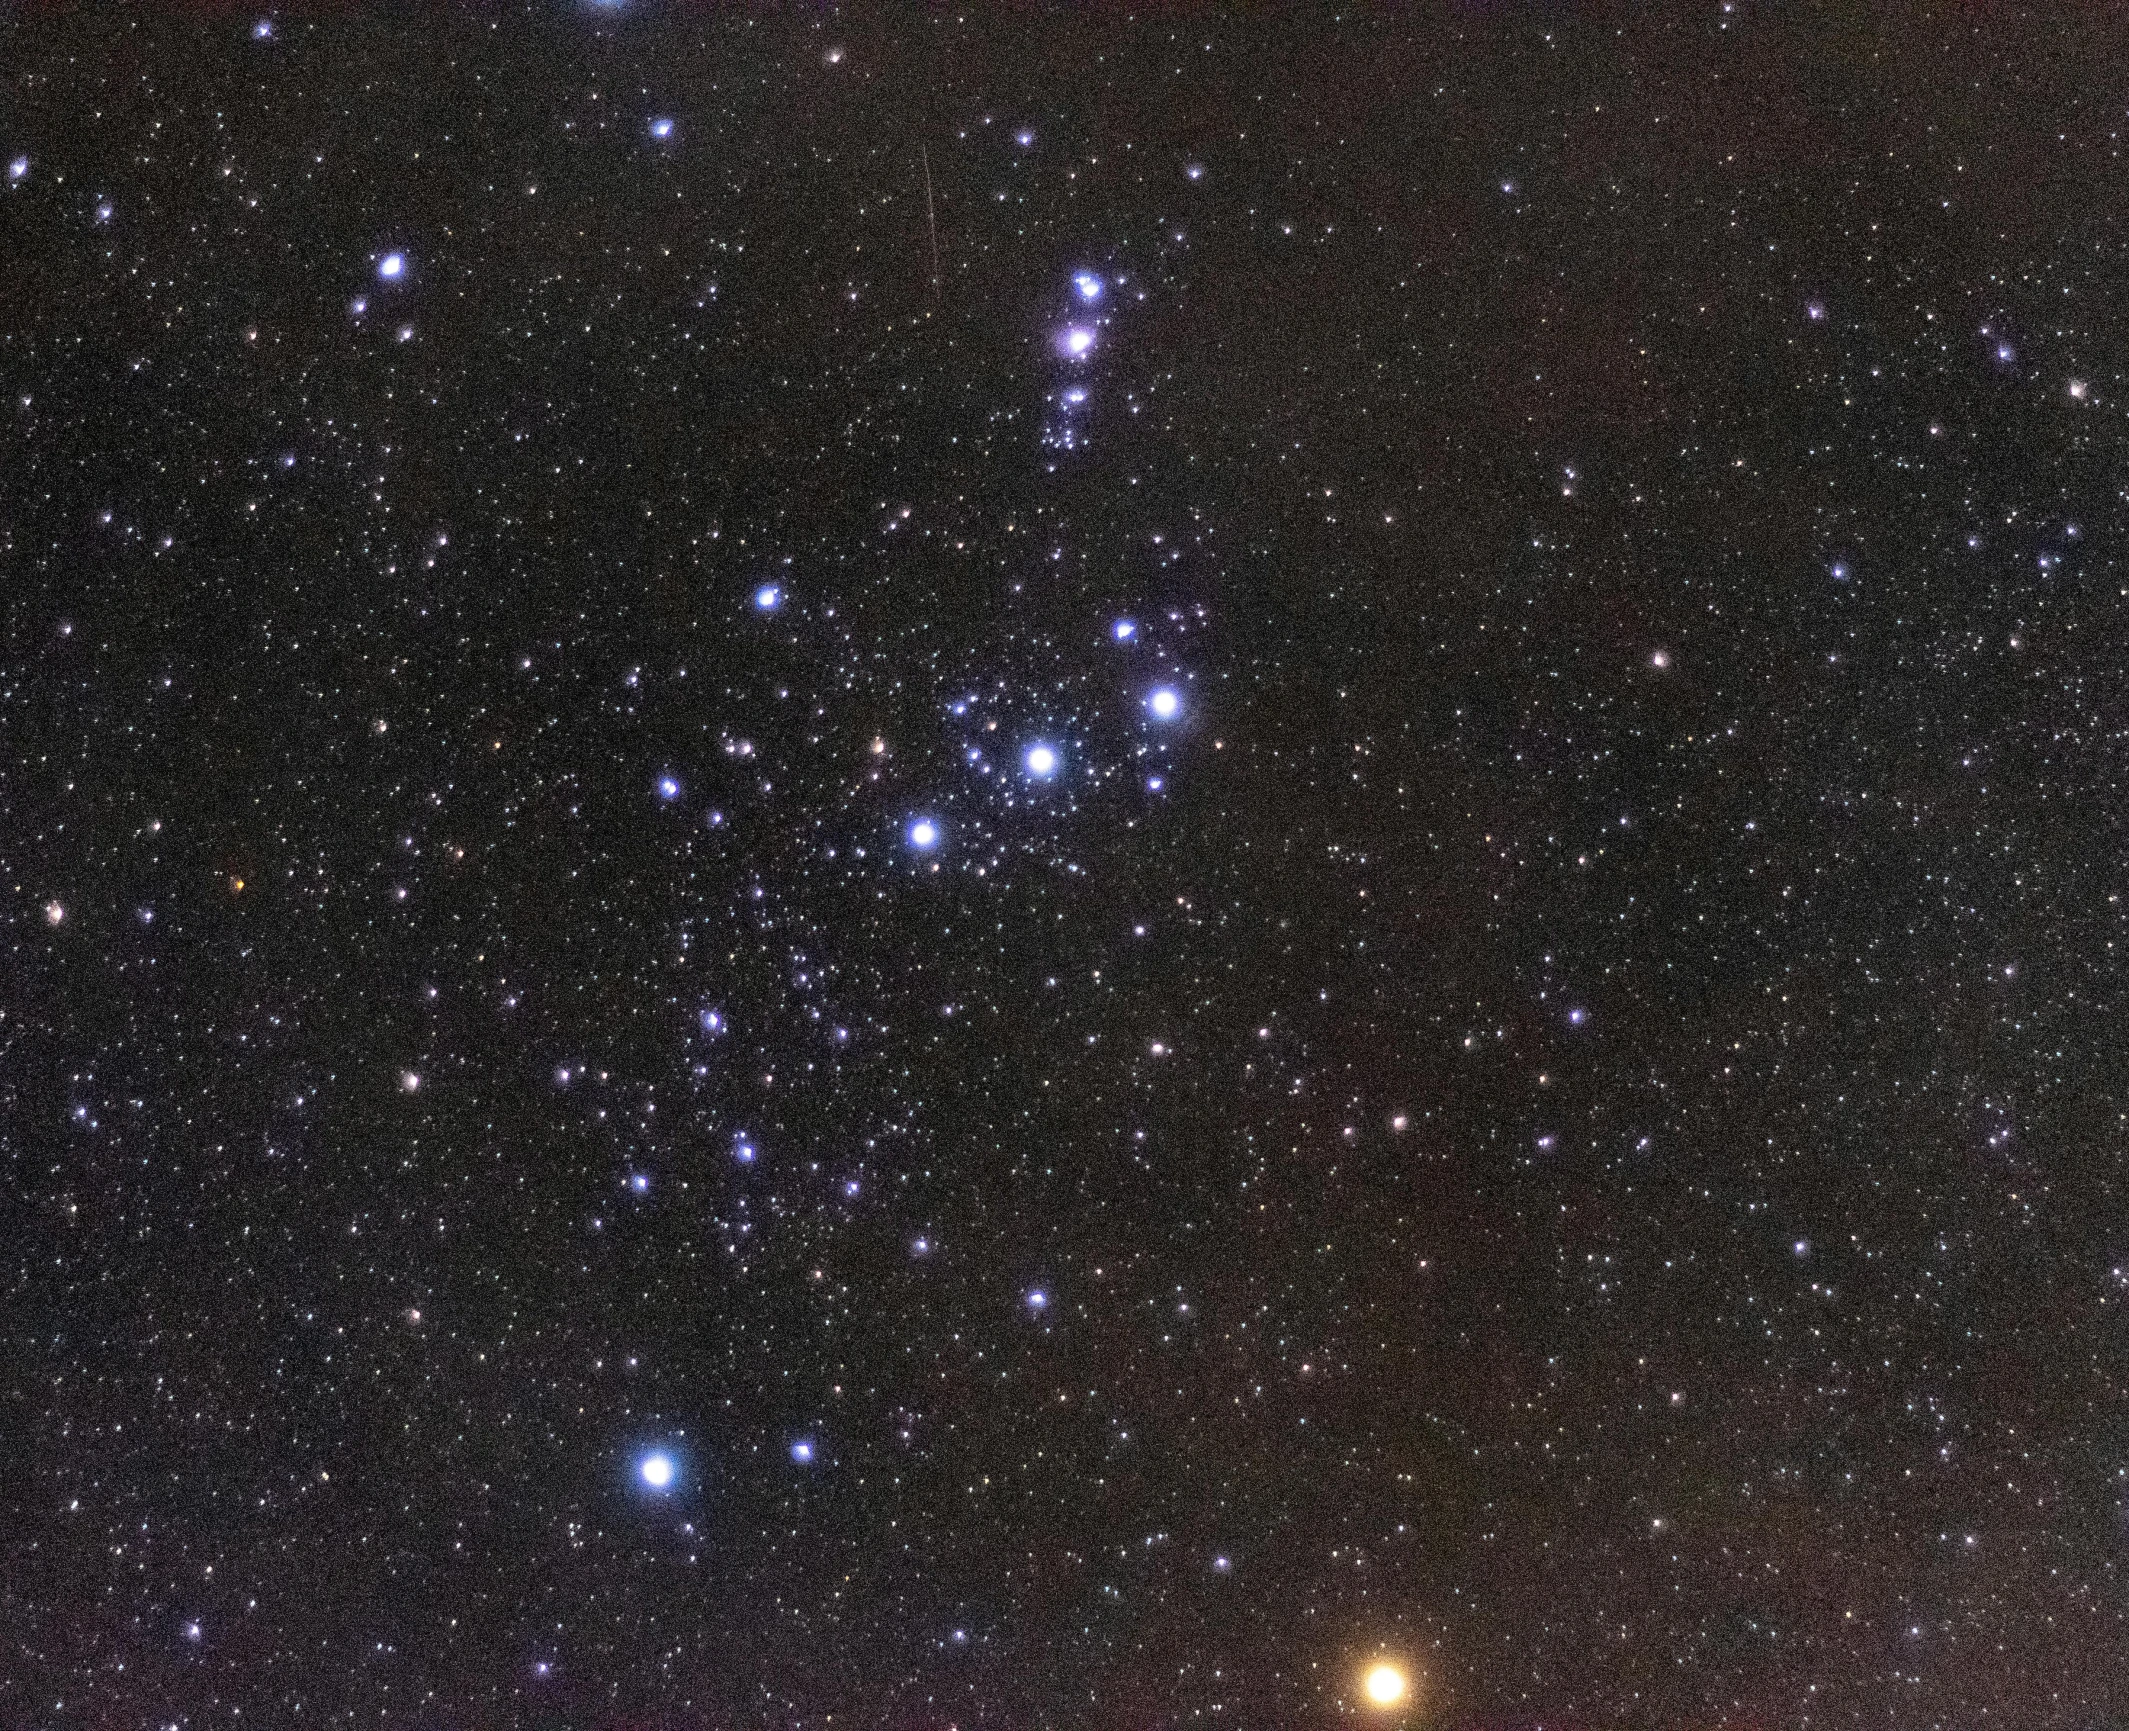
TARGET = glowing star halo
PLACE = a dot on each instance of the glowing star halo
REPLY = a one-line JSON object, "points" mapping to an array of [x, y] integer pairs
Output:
{"points": [[657, 1471], [1384, 1685]]}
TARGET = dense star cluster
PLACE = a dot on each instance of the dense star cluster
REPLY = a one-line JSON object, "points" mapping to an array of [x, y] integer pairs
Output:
{"points": [[937, 870]]}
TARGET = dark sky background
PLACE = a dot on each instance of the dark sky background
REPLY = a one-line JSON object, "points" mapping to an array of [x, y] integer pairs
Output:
{"points": [[1558, 1122]]}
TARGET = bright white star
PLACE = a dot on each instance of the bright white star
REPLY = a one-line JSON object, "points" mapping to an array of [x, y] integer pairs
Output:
{"points": [[1042, 761], [657, 1471], [1165, 704]]}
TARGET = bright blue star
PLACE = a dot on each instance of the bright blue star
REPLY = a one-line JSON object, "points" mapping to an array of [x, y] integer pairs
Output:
{"points": [[662, 128], [1038, 1300], [802, 1452], [1126, 629], [392, 266], [1023, 139], [743, 1152], [768, 598], [1165, 704], [263, 30], [668, 788], [640, 1183], [1042, 761], [657, 1471], [1076, 342], [1089, 285], [19, 169], [923, 834]]}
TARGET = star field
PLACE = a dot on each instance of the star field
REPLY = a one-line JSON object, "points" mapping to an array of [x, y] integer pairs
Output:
{"points": [[927, 870]]}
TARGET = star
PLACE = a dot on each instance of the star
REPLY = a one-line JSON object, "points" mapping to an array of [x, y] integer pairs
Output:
{"points": [[1124, 630], [1038, 1299], [802, 1451], [657, 1471], [768, 598], [1041, 761], [1165, 704], [923, 834], [1076, 342], [263, 30], [668, 788], [662, 127], [392, 267], [19, 169], [1385, 1685], [1089, 285]]}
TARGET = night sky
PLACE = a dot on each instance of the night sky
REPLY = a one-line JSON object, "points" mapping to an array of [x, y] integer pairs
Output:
{"points": [[1022, 870]]}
